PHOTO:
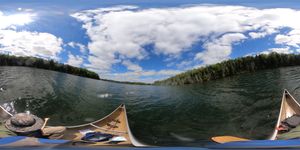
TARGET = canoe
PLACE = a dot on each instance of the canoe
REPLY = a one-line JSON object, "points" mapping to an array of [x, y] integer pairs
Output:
{"points": [[289, 107], [115, 123]]}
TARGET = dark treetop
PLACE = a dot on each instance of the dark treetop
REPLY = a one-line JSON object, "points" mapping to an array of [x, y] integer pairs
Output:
{"points": [[232, 67], [9, 60]]}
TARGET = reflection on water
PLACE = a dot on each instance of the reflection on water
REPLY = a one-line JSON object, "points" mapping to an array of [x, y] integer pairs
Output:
{"points": [[246, 105]]}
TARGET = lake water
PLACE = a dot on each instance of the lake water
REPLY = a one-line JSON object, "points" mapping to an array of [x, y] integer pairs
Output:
{"points": [[246, 105]]}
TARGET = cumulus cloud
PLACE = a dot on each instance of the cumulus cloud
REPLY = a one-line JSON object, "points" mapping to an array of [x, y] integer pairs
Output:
{"points": [[131, 66], [26, 43], [74, 60], [81, 47], [11, 21], [291, 39], [119, 34], [219, 49]]}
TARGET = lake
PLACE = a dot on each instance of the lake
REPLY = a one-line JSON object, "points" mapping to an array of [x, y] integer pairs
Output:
{"points": [[245, 105]]}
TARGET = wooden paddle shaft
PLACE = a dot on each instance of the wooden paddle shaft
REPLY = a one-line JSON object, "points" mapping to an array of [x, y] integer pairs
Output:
{"points": [[45, 122]]}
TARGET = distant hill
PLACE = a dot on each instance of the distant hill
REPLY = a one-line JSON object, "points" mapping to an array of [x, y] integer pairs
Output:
{"points": [[9, 60], [232, 67]]}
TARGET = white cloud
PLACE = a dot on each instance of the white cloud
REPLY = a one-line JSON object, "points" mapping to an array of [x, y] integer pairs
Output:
{"points": [[10, 21], [256, 35], [291, 39], [131, 66], [25, 9], [119, 34], [26, 43], [75, 60], [81, 47], [172, 31], [284, 50], [219, 49]]}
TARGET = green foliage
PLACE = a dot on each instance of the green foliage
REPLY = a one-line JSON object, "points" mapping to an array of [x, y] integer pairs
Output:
{"points": [[233, 67], [9, 60]]}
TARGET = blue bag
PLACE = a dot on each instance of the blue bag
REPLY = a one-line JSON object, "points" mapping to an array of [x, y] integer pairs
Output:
{"points": [[96, 137]]}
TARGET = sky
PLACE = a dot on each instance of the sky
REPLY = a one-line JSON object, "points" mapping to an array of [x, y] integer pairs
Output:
{"points": [[147, 40]]}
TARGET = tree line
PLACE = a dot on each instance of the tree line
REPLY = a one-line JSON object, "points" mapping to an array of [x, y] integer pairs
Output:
{"points": [[9, 60], [126, 82], [233, 67]]}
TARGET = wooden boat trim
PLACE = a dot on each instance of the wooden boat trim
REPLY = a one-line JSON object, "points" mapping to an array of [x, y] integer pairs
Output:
{"points": [[282, 108]]}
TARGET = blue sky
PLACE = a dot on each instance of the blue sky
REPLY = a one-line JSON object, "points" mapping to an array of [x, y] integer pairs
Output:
{"points": [[136, 40]]}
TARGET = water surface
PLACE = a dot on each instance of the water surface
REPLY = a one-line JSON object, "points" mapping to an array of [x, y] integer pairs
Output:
{"points": [[246, 105]]}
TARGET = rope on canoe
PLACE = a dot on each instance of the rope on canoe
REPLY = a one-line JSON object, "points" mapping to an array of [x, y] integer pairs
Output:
{"points": [[107, 129]]}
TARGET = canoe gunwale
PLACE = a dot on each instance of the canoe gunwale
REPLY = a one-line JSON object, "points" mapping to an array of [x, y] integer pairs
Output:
{"points": [[134, 141]]}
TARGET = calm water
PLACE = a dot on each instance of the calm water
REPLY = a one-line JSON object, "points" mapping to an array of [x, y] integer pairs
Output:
{"points": [[246, 105]]}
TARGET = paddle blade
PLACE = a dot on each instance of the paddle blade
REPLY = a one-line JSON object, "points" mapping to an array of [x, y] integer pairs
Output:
{"points": [[225, 139]]}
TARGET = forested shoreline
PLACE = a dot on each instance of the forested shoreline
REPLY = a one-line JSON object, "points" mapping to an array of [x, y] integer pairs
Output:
{"points": [[232, 67], [9, 60], [126, 82]]}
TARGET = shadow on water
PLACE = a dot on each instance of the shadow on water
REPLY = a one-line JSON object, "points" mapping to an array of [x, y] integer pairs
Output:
{"points": [[245, 105]]}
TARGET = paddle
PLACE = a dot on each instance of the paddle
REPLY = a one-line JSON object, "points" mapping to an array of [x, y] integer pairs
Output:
{"points": [[45, 122], [225, 139]]}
